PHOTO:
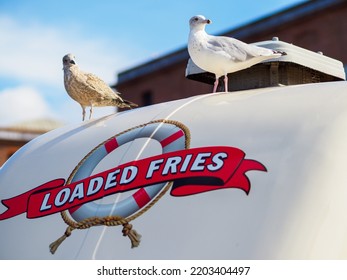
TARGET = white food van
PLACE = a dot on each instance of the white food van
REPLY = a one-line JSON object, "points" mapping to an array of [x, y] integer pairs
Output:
{"points": [[256, 173]]}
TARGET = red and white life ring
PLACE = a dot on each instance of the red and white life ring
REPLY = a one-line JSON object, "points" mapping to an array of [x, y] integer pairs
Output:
{"points": [[172, 137]]}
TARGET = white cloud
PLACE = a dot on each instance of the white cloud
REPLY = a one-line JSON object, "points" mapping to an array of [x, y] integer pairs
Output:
{"points": [[25, 103], [33, 52], [21, 104]]}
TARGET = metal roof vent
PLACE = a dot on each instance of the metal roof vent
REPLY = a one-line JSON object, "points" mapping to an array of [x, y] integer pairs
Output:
{"points": [[299, 66]]}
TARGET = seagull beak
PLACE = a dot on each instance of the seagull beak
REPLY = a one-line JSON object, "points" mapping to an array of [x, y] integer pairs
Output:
{"points": [[207, 21], [72, 61]]}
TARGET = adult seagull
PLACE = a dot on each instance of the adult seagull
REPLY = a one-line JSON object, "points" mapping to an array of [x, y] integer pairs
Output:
{"points": [[221, 55]]}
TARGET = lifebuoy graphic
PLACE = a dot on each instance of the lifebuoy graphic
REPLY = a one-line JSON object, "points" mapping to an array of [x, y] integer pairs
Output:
{"points": [[171, 135]]}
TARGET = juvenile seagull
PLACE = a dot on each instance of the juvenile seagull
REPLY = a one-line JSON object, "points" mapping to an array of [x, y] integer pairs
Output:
{"points": [[89, 90], [221, 55]]}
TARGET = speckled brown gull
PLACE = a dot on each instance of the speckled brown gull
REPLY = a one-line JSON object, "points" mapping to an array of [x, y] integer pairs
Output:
{"points": [[221, 55], [89, 90]]}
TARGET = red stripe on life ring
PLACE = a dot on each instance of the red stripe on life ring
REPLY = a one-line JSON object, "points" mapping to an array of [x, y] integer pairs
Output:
{"points": [[111, 145], [141, 197], [171, 138]]}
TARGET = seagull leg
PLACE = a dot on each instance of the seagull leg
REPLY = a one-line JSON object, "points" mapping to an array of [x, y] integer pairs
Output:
{"points": [[91, 111], [215, 84], [226, 82], [83, 112]]}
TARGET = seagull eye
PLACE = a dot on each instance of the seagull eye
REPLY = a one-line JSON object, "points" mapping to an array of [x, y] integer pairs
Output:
{"points": [[196, 19]]}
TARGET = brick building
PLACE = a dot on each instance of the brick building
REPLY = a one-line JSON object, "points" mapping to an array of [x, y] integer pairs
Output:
{"points": [[14, 137], [318, 25]]}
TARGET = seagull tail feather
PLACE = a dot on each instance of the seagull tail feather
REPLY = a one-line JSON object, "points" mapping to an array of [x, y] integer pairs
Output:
{"points": [[279, 52], [129, 104]]}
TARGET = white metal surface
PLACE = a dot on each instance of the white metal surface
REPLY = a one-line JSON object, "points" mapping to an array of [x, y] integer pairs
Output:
{"points": [[295, 210]]}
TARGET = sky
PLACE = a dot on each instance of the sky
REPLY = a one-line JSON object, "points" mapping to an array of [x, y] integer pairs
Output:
{"points": [[106, 36]]}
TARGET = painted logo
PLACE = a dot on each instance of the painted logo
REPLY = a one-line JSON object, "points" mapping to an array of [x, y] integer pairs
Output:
{"points": [[187, 171]]}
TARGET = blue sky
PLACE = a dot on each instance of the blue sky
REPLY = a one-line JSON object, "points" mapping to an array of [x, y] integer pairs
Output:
{"points": [[106, 37]]}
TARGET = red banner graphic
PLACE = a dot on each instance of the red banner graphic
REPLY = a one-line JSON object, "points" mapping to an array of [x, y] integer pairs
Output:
{"points": [[193, 171]]}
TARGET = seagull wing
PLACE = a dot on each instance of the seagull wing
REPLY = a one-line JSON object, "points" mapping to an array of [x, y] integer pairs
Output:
{"points": [[234, 49], [99, 86]]}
